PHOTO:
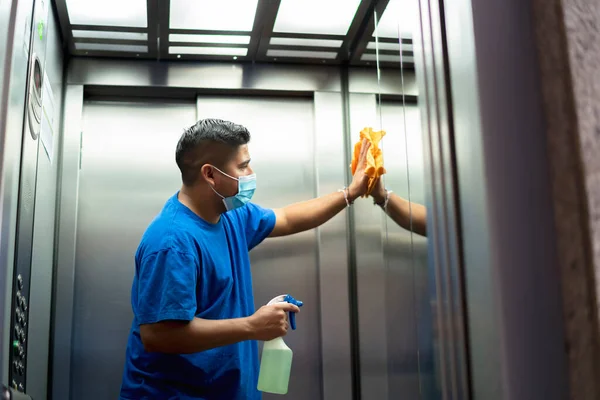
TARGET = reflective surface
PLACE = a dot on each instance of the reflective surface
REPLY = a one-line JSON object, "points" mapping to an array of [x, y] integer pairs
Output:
{"points": [[386, 311], [409, 317], [445, 270], [15, 50], [115, 156], [336, 372], [127, 173], [42, 262], [408, 324], [512, 281], [370, 271]]}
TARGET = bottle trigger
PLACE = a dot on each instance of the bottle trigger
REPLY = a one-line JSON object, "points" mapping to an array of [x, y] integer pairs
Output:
{"points": [[292, 315]]}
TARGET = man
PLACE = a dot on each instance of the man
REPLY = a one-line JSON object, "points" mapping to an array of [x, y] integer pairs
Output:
{"points": [[194, 331]]}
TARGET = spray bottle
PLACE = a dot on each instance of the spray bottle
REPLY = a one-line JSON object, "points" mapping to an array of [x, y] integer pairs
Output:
{"points": [[276, 361]]}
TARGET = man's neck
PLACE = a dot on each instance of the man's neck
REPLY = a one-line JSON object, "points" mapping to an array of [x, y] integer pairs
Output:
{"points": [[201, 204]]}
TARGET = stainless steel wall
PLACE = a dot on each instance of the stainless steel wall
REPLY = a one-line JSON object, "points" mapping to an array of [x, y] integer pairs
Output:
{"points": [[44, 226], [334, 257], [498, 260], [391, 263], [15, 55], [516, 326], [325, 363], [104, 252], [370, 269], [408, 320], [230, 76], [66, 238], [127, 173]]}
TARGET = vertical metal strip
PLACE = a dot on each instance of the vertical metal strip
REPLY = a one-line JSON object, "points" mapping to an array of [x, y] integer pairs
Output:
{"points": [[59, 161], [431, 151], [64, 285], [455, 282], [351, 238], [320, 248]]}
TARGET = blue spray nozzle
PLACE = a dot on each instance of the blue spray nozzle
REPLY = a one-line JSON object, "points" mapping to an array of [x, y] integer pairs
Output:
{"points": [[298, 303]]}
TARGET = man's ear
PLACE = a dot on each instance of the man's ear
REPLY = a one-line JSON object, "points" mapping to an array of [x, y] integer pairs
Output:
{"points": [[207, 173]]}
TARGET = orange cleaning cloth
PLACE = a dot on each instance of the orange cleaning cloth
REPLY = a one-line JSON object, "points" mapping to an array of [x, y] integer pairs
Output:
{"points": [[374, 169]]}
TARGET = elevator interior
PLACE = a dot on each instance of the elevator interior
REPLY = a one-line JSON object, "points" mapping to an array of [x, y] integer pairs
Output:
{"points": [[93, 102]]}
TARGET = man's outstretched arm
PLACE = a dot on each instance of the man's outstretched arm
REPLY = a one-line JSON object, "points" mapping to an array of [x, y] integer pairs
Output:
{"points": [[310, 214]]}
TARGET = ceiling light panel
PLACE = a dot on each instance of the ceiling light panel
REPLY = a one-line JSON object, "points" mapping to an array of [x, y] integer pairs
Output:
{"points": [[130, 48], [209, 51], [387, 58], [216, 15], [321, 17], [305, 42], [389, 46], [400, 16], [221, 39], [123, 13], [110, 35], [328, 55]]}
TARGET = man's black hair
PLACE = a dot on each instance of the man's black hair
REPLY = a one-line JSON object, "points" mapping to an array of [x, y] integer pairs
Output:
{"points": [[194, 145]]}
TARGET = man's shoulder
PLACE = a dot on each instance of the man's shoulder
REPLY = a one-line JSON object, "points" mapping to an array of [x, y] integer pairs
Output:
{"points": [[168, 231]]}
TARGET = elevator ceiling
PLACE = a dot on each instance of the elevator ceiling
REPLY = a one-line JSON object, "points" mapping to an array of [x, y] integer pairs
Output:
{"points": [[274, 31]]}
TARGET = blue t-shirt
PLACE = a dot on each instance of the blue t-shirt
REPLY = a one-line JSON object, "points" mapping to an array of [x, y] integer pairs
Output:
{"points": [[186, 267]]}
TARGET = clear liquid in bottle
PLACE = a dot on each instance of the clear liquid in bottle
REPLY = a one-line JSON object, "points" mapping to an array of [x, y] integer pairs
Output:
{"points": [[275, 367]]}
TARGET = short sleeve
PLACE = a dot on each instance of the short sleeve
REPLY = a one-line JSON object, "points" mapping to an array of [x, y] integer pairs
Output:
{"points": [[259, 224], [166, 287]]}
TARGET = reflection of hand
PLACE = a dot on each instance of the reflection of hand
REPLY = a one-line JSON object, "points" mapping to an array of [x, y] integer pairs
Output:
{"points": [[379, 192], [360, 181]]}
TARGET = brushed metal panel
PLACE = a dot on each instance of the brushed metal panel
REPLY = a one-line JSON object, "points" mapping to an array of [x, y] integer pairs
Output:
{"points": [[43, 233], [105, 72], [516, 329], [447, 279], [307, 78], [6, 32], [405, 253], [127, 173], [27, 197], [62, 306], [15, 48], [370, 269], [434, 204], [283, 156], [333, 251], [365, 80]]}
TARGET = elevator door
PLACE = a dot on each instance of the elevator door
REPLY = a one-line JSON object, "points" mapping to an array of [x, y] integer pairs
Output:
{"points": [[128, 171]]}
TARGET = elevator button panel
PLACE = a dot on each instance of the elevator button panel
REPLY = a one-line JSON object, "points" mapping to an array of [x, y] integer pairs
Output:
{"points": [[19, 333]]}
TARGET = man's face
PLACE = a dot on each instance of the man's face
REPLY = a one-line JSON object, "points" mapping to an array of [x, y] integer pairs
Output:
{"points": [[238, 165]]}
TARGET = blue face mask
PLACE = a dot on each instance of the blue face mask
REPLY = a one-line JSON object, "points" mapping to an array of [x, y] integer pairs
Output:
{"points": [[246, 188]]}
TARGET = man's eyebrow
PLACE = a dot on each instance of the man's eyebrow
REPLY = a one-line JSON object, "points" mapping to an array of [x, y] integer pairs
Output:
{"points": [[245, 162]]}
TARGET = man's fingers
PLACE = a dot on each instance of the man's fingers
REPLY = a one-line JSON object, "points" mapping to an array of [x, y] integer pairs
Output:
{"points": [[366, 145], [287, 307], [364, 148]]}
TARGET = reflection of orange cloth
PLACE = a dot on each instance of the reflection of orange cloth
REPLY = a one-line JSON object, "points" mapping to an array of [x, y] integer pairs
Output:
{"points": [[374, 169]]}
